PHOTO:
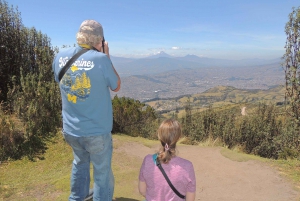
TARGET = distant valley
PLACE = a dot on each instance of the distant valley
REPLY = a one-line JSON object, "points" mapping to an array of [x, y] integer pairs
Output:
{"points": [[219, 97], [164, 76]]}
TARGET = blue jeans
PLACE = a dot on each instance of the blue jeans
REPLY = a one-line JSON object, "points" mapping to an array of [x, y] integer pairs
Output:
{"points": [[98, 151]]}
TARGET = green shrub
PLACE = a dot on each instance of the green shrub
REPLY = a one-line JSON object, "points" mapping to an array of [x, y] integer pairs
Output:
{"points": [[37, 104], [267, 131], [28, 92], [133, 117], [11, 137]]}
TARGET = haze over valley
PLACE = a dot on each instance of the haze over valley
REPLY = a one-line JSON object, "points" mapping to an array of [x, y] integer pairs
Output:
{"points": [[164, 76]]}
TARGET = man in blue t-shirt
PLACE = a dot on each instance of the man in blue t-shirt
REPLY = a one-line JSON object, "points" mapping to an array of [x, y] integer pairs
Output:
{"points": [[87, 111]]}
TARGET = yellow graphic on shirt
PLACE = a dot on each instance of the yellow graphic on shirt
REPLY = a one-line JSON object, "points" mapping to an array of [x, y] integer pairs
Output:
{"points": [[82, 82], [72, 98], [81, 87], [77, 85], [74, 68]]}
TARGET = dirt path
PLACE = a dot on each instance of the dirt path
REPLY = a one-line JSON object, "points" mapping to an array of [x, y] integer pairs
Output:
{"points": [[221, 179]]}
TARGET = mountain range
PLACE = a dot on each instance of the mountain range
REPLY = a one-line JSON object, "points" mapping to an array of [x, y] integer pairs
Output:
{"points": [[163, 76], [163, 62]]}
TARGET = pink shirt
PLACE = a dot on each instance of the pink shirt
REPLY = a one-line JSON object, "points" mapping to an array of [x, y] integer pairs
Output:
{"points": [[180, 172]]}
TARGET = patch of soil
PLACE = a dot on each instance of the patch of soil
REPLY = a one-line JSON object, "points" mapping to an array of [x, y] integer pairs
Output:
{"points": [[221, 179]]}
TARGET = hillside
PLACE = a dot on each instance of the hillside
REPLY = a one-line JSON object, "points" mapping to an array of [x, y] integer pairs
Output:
{"points": [[218, 97], [163, 62], [221, 174], [188, 81]]}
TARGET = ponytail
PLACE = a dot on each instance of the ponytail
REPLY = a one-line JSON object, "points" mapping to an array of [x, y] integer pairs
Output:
{"points": [[169, 133]]}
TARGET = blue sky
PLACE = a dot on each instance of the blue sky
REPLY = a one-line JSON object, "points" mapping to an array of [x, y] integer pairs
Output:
{"points": [[227, 29]]}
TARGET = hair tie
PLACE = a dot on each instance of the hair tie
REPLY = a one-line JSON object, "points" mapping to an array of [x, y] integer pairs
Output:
{"points": [[166, 147]]}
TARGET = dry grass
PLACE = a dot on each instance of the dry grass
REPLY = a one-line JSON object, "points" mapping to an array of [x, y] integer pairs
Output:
{"points": [[288, 168], [49, 179]]}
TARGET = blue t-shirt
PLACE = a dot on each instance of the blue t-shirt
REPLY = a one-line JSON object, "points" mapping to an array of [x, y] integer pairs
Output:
{"points": [[86, 101]]}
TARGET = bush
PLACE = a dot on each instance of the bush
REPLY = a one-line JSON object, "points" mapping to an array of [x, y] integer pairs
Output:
{"points": [[133, 117], [28, 93], [266, 132], [11, 137], [37, 103]]}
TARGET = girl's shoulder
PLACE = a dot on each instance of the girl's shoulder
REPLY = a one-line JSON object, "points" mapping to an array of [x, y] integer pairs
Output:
{"points": [[149, 157], [181, 161]]}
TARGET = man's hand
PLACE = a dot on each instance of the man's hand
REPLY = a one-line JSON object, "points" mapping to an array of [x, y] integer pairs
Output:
{"points": [[106, 48]]}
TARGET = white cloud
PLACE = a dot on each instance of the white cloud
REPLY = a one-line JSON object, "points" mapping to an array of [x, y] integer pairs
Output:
{"points": [[176, 48]]}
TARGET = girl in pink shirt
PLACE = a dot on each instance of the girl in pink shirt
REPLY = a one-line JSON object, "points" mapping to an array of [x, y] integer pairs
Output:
{"points": [[152, 184]]}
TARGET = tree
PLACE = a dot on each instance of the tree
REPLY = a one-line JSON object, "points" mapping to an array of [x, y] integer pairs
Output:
{"points": [[21, 48], [132, 117], [291, 64], [187, 122], [11, 42], [29, 96]]}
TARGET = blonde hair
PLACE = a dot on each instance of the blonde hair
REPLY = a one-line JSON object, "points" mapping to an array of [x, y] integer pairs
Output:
{"points": [[168, 133]]}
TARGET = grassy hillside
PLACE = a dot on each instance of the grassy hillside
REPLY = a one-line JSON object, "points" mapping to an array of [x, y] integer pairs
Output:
{"points": [[48, 179], [217, 97]]}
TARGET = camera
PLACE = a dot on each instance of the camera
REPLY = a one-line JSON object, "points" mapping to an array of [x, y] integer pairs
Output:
{"points": [[103, 44]]}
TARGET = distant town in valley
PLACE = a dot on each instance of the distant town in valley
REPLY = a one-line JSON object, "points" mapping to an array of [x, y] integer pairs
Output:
{"points": [[163, 76]]}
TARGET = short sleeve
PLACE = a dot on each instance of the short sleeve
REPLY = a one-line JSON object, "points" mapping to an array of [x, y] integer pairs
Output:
{"points": [[191, 186], [141, 176], [110, 76]]}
